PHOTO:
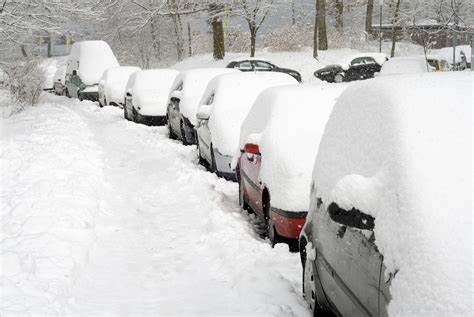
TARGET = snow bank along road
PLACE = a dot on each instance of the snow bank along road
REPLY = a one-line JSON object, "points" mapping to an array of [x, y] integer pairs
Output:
{"points": [[100, 215]]}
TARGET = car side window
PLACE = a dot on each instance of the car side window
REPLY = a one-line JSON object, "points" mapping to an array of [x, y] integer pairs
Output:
{"points": [[362, 61], [353, 217], [259, 65], [245, 65]]}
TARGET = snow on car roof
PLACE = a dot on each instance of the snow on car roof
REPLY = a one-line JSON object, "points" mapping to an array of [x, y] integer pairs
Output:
{"points": [[119, 73], [287, 123], [94, 58], [404, 65], [151, 88], [234, 95], [399, 149], [194, 83], [380, 58]]}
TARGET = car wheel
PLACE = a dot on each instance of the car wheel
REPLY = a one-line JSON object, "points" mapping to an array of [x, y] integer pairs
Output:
{"points": [[125, 112], [213, 162], [270, 226], [338, 78], [309, 281], [242, 200], [183, 134], [202, 161]]}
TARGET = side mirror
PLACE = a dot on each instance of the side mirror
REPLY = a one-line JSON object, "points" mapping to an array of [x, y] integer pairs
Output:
{"points": [[74, 72], [204, 112], [128, 93], [252, 148], [351, 218]]}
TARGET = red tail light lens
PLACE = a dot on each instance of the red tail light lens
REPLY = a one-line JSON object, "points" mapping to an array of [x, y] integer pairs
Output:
{"points": [[252, 148]]}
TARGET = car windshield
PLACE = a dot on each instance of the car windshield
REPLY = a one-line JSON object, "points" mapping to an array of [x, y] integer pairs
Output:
{"points": [[363, 61]]}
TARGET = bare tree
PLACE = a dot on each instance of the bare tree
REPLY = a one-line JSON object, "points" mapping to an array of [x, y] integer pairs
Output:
{"points": [[254, 12], [395, 25], [315, 35], [322, 32]]}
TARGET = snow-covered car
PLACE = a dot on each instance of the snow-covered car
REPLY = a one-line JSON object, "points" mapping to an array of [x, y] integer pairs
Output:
{"points": [[86, 63], [146, 95], [259, 65], [184, 99], [279, 141], [224, 106], [357, 67], [462, 55], [437, 63], [405, 65], [389, 228], [113, 83]]}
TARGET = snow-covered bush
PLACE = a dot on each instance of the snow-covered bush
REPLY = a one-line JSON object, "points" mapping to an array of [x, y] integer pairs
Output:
{"points": [[24, 80]]}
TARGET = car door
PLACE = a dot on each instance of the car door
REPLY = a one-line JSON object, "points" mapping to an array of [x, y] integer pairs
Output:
{"points": [[348, 262], [261, 66], [250, 168]]}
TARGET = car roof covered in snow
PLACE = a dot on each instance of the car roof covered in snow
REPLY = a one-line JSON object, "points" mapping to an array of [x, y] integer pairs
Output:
{"points": [[94, 57], [287, 123], [151, 87], [399, 149], [233, 96], [118, 73], [194, 83], [404, 65], [380, 58]]}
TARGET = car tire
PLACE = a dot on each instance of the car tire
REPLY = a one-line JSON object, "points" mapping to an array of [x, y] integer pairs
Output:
{"points": [[338, 78], [213, 167], [242, 199], [67, 93], [183, 134], [125, 112], [270, 226], [202, 161], [309, 281]]}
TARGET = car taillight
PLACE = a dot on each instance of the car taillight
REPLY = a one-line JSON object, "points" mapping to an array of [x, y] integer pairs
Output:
{"points": [[252, 148]]}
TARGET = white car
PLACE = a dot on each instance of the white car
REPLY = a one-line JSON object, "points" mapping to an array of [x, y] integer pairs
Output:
{"points": [[85, 65], [279, 140], [224, 106], [146, 95], [405, 65], [184, 99], [389, 227], [113, 83]]}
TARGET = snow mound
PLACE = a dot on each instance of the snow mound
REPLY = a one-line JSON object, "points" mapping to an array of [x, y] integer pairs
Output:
{"points": [[399, 148], [51, 172], [194, 83], [404, 65], [287, 123], [150, 90], [53, 69], [234, 95], [93, 58]]}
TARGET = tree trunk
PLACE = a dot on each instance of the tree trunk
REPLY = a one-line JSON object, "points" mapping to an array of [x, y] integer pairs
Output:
{"points": [[293, 13], [368, 16], [190, 41], [315, 34], [23, 51], [394, 27], [50, 45], [178, 28], [340, 15], [217, 33], [322, 34], [253, 40], [155, 37]]}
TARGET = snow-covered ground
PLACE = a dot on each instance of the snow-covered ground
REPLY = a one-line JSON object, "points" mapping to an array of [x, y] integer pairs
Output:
{"points": [[103, 216]]}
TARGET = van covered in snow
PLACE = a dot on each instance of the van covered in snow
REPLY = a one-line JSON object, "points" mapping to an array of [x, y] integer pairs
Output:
{"points": [[86, 63]]}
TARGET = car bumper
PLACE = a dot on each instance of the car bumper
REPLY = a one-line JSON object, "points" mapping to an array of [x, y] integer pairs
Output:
{"points": [[89, 95], [151, 120], [288, 224]]}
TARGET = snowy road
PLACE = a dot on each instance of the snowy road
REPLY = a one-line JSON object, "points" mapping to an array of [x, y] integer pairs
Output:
{"points": [[103, 216]]}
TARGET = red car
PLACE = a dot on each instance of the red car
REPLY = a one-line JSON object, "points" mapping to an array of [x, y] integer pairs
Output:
{"points": [[280, 225], [278, 142]]}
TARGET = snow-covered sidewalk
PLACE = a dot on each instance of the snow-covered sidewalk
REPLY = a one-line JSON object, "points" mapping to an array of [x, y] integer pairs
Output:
{"points": [[100, 215]]}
